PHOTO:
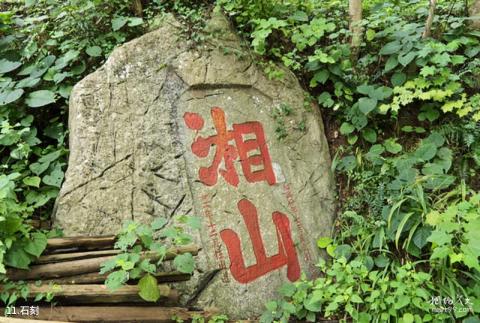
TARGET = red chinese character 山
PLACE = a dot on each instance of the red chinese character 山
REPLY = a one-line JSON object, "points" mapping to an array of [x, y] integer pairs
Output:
{"points": [[252, 153], [286, 255]]}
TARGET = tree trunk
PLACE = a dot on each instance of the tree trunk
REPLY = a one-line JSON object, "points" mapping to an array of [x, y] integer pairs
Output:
{"points": [[137, 8], [428, 24], [475, 14], [355, 11]]}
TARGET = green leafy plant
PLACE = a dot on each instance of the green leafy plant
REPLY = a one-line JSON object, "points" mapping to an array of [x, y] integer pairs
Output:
{"points": [[350, 289], [454, 240], [11, 292], [144, 248], [219, 318]]}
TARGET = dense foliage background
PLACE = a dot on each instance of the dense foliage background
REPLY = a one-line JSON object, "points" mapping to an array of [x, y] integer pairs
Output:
{"points": [[401, 110]]}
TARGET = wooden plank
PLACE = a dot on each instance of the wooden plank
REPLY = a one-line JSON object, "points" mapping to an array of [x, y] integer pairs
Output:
{"points": [[83, 266], [57, 270], [98, 293], [81, 242], [88, 278], [74, 256], [96, 278], [145, 314], [27, 319]]}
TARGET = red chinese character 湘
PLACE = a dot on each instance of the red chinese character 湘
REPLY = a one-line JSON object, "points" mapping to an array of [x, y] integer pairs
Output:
{"points": [[286, 255], [243, 150]]}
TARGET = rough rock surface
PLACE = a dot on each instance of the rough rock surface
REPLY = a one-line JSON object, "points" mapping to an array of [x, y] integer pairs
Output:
{"points": [[142, 138]]}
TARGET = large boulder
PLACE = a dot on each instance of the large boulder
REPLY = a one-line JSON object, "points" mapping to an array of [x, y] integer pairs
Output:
{"points": [[167, 128]]}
